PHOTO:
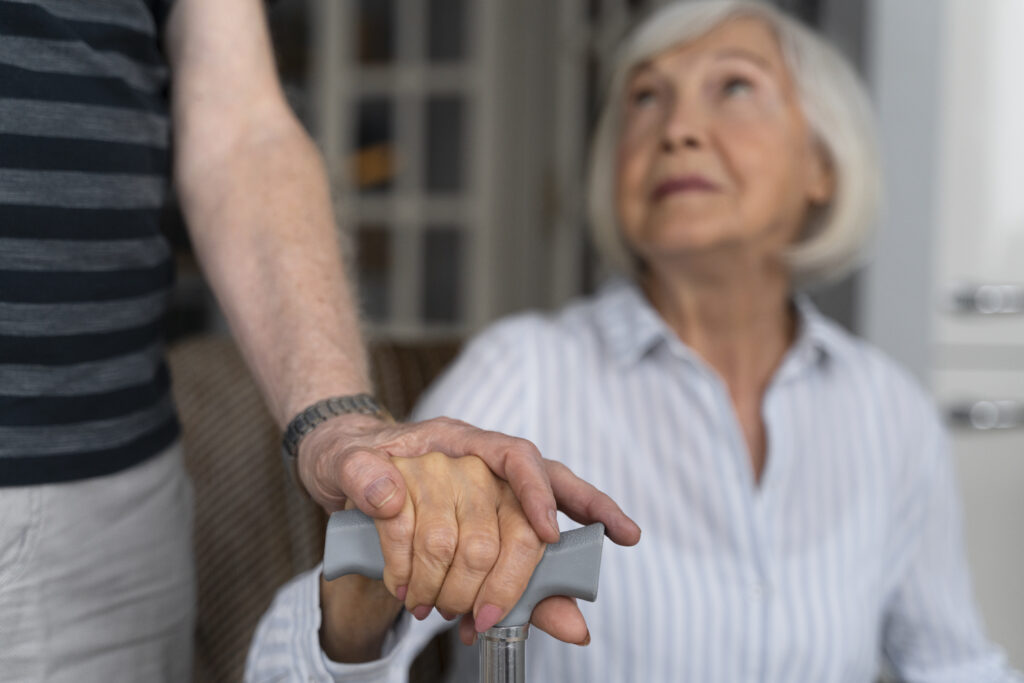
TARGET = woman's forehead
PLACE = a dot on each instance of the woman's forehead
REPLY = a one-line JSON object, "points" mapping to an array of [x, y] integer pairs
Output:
{"points": [[744, 38]]}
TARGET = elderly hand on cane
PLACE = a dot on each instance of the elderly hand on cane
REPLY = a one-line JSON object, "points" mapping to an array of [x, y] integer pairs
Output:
{"points": [[461, 544]]}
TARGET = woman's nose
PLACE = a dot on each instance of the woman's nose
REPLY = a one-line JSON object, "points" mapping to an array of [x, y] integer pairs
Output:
{"points": [[675, 143], [681, 130]]}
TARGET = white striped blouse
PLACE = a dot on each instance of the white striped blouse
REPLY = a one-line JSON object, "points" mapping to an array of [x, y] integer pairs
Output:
{"points": [[848, 551]]}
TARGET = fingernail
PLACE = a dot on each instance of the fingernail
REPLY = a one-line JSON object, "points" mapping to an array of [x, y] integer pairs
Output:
{"points": [[486, 617], [553, 519], [400, 592], [421, 612], [448, 616], [380, 491], [586, 641]]}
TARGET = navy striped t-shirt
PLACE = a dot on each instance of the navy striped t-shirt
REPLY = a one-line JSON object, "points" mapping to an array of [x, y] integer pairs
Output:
{"points": [[84, 268]]}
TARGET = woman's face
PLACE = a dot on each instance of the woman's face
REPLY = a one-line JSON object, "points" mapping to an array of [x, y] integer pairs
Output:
{"points": [[715, 153]]}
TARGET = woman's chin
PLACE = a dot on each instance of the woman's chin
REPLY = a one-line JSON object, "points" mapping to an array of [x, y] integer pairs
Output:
{"points": [[688, 246]]}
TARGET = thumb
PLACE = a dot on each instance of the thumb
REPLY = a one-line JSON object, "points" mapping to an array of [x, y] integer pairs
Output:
{"points": [[560, 617], [367, 477]]}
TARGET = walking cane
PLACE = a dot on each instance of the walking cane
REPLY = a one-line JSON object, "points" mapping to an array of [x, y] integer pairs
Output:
{"points": [[569, 567]]}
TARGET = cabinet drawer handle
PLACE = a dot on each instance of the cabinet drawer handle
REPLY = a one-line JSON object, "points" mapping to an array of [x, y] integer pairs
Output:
{"points": [[987, 415], [990, 299]]}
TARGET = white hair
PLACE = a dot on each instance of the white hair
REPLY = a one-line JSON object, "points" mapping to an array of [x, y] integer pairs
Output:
{"points": [[833, 100]]}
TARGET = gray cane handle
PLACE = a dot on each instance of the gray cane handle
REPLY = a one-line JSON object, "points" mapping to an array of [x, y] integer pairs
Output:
{"points": [[570, 567], [352, 546]]}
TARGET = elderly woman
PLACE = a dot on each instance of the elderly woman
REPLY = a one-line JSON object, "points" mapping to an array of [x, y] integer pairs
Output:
{"points": [[795, 487]]}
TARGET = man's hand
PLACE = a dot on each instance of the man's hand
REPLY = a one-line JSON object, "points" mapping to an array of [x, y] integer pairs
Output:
{"points": [[349, 457]]}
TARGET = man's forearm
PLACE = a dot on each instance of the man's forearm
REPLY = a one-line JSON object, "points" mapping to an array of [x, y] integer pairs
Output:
{"points": [[255, 197], [261, 221]]}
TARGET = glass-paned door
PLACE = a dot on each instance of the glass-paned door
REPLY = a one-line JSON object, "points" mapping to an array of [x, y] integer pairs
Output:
{"points": [[398, 86]]}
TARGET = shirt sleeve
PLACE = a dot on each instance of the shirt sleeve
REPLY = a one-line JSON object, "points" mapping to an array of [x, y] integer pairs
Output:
{"points": [[286, 645], [932, 632]]}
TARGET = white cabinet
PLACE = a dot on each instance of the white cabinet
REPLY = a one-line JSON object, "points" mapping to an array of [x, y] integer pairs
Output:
{"points": [[979, 255], [978, 295], [978, 342], [946, 293], [988, 443], [956, 243]]}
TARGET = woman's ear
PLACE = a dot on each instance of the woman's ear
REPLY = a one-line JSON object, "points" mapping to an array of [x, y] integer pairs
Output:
{"points": [[820, 176]]}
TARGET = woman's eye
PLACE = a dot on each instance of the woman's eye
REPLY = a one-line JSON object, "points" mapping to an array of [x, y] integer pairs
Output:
{"points": [[642, 96], [737, 86]]}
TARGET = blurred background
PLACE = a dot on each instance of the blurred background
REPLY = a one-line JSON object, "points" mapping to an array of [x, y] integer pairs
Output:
{"points": [[455, 134]]}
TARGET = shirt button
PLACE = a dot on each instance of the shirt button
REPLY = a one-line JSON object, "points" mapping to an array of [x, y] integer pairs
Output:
{"points": [[759, 590]]}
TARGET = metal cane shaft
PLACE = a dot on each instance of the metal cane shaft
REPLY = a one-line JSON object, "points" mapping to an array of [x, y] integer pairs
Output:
{"points": [[503, 654]]}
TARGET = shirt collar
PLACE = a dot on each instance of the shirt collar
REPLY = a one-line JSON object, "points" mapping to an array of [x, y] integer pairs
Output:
{"points": [[816, 340], [632, 328], [628, 323]]}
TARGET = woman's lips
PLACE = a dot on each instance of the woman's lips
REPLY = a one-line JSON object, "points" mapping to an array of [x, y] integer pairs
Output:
{"points": [[689, 183]]}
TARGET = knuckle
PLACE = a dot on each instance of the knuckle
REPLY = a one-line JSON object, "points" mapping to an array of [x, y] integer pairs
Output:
{"points": [[446, 422], [437, 544], [554, 466], [523, 448], [521, 538], [397, 532], [480, 552]]}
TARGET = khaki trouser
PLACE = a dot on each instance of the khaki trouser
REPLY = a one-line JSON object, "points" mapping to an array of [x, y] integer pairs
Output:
{"points": [[96, 577]]}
